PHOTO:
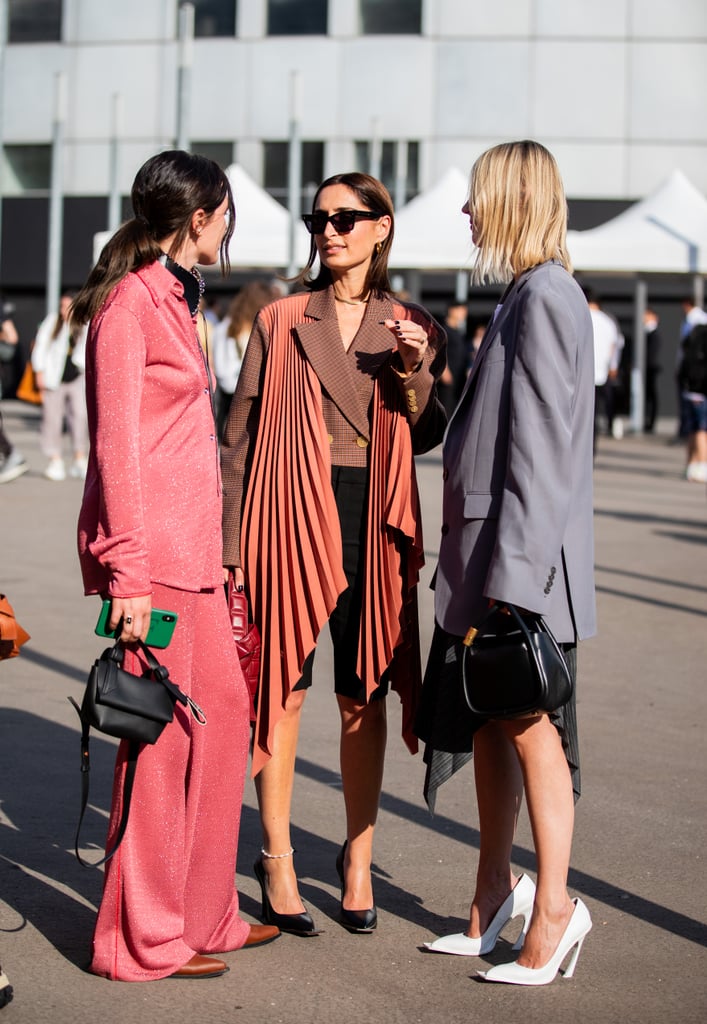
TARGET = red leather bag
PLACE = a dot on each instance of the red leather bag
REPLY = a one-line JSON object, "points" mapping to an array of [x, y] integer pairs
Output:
{"points": [[247, 637]]}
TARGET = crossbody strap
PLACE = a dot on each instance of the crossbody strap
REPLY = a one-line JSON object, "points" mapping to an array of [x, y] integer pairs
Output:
{"points": [[128, 780]]}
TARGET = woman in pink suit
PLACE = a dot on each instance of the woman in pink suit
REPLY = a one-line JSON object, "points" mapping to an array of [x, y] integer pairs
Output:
{"points": [[149, 535]]}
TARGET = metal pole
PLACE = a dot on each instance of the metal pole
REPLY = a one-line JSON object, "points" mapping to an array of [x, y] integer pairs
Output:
{"points": [[3, 41], [638, 366], [114, 206], [294, 171], [56, 197], [184, 66], [401, 174], [374, 168], [461, 293], [698, 290]]}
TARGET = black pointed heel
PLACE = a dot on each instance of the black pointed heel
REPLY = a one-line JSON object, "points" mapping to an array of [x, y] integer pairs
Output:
{"points": [[294, 924], [360, 922]]}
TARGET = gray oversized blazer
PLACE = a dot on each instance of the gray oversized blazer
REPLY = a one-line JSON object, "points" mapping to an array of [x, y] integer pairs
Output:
{"points": [[517, 500]]}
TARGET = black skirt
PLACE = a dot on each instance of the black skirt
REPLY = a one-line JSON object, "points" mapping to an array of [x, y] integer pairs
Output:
{"points": [[350, 486], [447, 726]]}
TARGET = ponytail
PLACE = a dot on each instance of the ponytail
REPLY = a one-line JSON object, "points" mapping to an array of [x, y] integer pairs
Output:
{"points": [[130, 248]]}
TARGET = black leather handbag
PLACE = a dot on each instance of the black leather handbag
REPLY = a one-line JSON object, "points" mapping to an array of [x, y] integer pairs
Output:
{"points": [[513, 666], [129, 707]]}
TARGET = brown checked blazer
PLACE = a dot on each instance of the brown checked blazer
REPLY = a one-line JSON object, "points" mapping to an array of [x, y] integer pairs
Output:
{"points": [[347, 386], [302, 404]]}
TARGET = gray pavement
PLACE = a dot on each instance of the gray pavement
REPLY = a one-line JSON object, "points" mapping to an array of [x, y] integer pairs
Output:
{"points": [[640, 839]]}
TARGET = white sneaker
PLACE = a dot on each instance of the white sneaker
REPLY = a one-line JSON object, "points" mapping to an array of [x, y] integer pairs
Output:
{"points": [[13, 466], [696, 472], [55, 470], [78, 468], [617, 429]]}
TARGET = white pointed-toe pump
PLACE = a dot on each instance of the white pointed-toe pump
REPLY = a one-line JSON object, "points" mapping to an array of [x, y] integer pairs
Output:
{"points": [[514, 974], [518, 903]]}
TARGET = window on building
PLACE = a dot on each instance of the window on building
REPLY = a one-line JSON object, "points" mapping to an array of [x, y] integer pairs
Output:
{"points": [[276, 168], [220, 152], [27, 169], [385, 17], [34, 21], [388, 167], [297, 17], [213, 17]]}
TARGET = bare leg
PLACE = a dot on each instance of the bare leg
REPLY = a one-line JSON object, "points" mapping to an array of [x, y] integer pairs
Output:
{"points": [[362, 752], [499, 789], [548, 791], [273, 786]]}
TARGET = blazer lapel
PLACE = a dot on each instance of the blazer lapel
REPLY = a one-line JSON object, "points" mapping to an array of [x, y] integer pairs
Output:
{"points": [[321, 341]]}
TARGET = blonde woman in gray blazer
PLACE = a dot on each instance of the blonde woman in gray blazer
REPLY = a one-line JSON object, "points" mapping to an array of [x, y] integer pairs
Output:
{"points": [[517, 528]]}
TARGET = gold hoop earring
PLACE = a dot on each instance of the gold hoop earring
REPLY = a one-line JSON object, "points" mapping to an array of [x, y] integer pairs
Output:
{"points": [[378, 248]]}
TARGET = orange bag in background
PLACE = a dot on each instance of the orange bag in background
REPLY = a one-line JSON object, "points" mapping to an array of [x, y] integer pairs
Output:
{"points": [[12, 635], [27, 390]]}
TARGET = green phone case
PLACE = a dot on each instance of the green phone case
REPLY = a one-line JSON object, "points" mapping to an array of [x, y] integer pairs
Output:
{"points": [[162, 625]]}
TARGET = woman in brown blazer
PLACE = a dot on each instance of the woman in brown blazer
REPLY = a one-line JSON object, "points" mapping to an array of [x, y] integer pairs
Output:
{"points": [[321, 520]]}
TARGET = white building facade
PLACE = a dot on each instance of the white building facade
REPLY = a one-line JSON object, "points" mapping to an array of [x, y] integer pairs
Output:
{"points": [[615, 88], [408, 89]]}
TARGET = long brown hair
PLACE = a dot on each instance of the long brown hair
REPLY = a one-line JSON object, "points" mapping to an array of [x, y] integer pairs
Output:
{"points": [[167, 191], [374, 196]]}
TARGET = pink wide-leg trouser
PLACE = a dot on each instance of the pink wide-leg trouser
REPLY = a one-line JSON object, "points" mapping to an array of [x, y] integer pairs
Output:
{"points": [[169, 891]]}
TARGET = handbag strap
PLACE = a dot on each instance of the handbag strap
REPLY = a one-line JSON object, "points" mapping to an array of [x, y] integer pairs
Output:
{"points": [[474, 631], [128, 780]]}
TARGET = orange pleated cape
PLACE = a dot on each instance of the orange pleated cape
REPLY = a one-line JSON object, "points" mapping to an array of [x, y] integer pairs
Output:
{"points": [[291, 540]]}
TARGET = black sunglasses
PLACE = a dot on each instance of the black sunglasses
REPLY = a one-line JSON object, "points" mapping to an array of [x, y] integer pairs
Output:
{"points": [[343, 222]]}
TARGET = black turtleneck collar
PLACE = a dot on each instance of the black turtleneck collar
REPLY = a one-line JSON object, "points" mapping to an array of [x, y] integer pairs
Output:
{"points": [[191, 280]]}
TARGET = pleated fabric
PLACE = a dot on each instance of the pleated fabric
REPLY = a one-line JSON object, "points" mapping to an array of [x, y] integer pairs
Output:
{"points": [[291, 540], [394, 556]]}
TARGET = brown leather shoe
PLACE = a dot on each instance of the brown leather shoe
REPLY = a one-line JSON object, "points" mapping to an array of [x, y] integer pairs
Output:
{"points": [[261, 934], [201, 967]]}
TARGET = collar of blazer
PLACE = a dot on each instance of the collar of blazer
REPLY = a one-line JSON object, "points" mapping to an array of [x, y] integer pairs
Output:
{"points": [[371, 348]]}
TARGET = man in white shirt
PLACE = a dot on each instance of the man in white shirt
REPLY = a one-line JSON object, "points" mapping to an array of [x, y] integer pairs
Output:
{"points": [[608, 345]]}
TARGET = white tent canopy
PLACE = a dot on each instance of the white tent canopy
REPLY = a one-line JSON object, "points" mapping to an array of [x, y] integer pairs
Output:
{"points": [[261, 238], [430, 231], [664, 233]]}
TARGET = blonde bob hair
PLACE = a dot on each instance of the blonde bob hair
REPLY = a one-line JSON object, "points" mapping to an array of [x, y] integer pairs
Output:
{"points": [[518, 211]]}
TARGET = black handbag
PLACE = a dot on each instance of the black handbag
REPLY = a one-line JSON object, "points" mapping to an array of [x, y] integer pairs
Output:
{"points": [[129, 707], [513, 666]]}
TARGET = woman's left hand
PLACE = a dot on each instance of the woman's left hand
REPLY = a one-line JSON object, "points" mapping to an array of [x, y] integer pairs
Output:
{"points": [[411, 341]]}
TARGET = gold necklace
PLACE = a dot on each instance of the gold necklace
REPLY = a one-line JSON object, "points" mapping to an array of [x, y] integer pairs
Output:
{"points": [[352, 302]]}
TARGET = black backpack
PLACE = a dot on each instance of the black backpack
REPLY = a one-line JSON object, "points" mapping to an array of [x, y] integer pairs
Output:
{"points": [[693, 368]]}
